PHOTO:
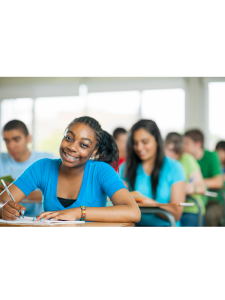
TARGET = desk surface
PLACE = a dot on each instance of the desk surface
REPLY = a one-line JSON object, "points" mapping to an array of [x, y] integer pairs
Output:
{"points": [[140, 204], [86, 224]]}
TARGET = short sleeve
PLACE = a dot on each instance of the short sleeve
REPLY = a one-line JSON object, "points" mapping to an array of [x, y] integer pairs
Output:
{"points": [[177, 172], [30, 179], [192, 164], [109, 180]]}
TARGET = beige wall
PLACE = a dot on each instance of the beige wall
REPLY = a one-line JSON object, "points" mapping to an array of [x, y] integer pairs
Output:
{"points": [[196, 101]]}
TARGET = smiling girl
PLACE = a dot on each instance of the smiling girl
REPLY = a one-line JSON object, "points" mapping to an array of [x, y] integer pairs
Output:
{"points": [[159, 178], [76, 186]]}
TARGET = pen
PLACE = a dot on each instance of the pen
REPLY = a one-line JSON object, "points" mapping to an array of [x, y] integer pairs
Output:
{"points": [[10, 195]]}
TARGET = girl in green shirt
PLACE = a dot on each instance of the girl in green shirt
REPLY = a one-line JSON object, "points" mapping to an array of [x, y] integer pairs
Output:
{"points": [[173, 148]]}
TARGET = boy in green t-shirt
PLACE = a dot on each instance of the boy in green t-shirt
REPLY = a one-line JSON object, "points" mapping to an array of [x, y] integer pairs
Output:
{"points": [[210, 167], [195, 186]]}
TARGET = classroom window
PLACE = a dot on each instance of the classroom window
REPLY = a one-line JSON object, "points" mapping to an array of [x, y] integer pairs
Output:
{"points": [[20, 109], [166, 108], [52, 116], [114, 109], [216, 112]]}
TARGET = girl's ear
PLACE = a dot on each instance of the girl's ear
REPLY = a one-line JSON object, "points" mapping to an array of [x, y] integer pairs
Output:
{"points": [[94, 152]]}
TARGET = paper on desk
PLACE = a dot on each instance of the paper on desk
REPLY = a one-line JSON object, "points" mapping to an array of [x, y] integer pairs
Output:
{"points": [[29, 220]]}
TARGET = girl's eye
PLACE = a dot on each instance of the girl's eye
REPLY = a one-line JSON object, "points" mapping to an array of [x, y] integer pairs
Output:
{"points": [[145, 142], [68, 138], [84, 145]]}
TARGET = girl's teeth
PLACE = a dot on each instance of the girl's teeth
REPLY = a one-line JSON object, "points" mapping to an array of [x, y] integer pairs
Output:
{"points": [[73, 158]]}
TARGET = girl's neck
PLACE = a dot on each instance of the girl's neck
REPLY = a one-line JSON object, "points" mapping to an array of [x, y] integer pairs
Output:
{"points": [[148, 165], [72, 172]]}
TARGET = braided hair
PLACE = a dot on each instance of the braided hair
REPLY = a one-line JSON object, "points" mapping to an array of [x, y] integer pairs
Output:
{"points": [[107, 147]]}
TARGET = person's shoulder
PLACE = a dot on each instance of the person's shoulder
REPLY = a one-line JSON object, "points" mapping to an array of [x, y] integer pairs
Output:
{"points": [[171, 165], [4, 156], [99, 165], [46, 162], [188, 157], [170, 162], [174, 169], [210, 155]]}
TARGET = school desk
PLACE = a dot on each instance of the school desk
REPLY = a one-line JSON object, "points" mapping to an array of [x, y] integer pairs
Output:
{"points": [[86, 224], [145, 208]]}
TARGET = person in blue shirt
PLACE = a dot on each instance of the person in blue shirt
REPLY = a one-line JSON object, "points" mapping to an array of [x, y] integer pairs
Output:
{"points": [[79, 182], [19, 157], [159, 178]]}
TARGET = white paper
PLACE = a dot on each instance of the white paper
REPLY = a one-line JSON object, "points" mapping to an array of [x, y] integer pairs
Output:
{"points": [[29, 220]]}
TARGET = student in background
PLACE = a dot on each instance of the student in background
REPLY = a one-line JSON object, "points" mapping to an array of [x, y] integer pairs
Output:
{"points": [[173, 147], [154, 175], [19, 157], [76, 186], [210, 168], [120, 136], [220, 148]]}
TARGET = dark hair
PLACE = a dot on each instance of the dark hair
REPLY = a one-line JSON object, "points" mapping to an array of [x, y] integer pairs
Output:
{"points": [[133, 160], [16, 124], [220, 145], [196, 135], [107, 147], [177, 140], [118, 131]]}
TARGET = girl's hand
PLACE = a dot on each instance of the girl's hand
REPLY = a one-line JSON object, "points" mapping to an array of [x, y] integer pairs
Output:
{"points": [[146, 201], [189, 188], [2, 186], [11, 210], [64, 215]]}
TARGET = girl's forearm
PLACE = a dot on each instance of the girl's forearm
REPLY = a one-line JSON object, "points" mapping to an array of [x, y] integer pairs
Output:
{"points": [[35, 195], [117, 213], [175, 211], [200, 188]]}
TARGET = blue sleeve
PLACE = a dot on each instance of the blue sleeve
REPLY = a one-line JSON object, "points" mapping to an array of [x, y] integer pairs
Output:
{"points": [[178, 172], [30, 179], [109, 180]]}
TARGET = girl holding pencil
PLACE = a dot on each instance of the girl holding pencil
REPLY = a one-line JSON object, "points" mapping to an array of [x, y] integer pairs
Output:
{"points": [[76, 186], [159, 178]]}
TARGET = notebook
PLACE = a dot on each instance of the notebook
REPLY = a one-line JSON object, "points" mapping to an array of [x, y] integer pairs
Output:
{"points": [[7, 178], [29, 220]]}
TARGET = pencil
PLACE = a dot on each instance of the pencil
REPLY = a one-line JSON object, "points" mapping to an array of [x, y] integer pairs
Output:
{"points": [[10, 195], [164, 204]]}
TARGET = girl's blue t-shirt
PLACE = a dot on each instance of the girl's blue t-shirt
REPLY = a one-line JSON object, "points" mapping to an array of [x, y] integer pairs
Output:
{"points": [[170, 173], [99, 181]]}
